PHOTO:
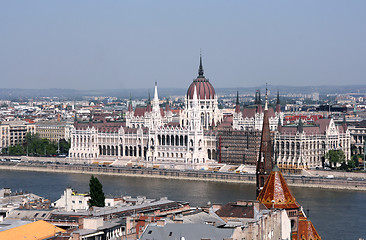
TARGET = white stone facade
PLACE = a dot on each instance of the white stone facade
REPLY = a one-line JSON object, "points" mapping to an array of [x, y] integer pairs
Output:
{"points": [[306, 148], [150, 137]]}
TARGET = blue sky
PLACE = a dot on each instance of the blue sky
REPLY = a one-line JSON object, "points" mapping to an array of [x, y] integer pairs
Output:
{"points": [[132, 44]]}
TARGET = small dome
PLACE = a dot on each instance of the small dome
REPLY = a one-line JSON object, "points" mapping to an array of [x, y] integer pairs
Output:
{"points": [[204, 89]]}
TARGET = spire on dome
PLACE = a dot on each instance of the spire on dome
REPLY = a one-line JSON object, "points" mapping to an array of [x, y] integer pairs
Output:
{"points": [[200, 69]]}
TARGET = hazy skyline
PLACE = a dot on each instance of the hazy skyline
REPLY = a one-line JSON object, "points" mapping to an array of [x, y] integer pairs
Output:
{"points": [[132, 44]]}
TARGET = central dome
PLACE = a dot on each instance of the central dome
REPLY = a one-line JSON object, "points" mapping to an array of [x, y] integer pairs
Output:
{"points": [[204, 88]]}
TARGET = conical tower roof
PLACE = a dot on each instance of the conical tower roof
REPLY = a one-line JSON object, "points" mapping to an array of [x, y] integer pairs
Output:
{"points": [[306, 229], [275, 192]]}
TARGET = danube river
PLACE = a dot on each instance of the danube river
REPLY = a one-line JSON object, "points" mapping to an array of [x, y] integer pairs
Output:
{"points": [[335, 214]]}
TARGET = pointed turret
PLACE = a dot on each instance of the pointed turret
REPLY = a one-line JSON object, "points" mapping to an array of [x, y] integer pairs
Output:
{"points": [[279, 125], [256, 98], [259, 103], [148, 107], [167, 105], [130, 104], [195, 99], [265, 162], [344, 123], [278, 104], [156, 97], [300, 126], [237, 107], [156, 106]]}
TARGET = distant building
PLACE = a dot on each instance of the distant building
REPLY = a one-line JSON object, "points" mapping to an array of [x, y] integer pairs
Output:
{"points": [[54, 130], [15, 132], [150, 135], [251, 118], [358, 137], [304, 146]]}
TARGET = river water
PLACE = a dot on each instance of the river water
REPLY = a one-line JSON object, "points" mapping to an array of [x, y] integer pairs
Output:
{"points": [[335, 214]]}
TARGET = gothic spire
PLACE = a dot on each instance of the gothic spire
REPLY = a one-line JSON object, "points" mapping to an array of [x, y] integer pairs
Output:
{"points": [[130, 104], [265, 161], [278, 106], [200, 69]]}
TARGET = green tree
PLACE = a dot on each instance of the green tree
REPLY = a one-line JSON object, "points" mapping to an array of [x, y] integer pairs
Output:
{"points": [[16, 150], [335, 156], [96, 193]]}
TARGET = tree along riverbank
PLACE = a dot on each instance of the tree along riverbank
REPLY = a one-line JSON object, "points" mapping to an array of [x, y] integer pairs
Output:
{"points": [[300, 181]]}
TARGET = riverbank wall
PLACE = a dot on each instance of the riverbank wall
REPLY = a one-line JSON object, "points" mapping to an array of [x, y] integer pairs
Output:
{"points": [[298, 181]]}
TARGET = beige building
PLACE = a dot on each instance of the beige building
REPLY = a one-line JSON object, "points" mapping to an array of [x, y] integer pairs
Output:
{"points": [[54, 130], [14, 132]]}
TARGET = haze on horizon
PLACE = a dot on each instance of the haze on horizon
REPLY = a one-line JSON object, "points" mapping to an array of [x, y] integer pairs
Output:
{"points": [[131, 44]]}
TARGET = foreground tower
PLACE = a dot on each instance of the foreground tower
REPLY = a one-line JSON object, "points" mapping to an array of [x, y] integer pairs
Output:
{"points": [[264, 163]]}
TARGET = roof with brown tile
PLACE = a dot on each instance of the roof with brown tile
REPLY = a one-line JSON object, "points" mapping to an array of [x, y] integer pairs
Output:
{"points": [[276, 193], [306, 230]]}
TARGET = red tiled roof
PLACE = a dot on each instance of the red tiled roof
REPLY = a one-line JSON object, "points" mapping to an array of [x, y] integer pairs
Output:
{"points": [[249, 112], [323, 124], [139, 111], [276, 193], [306, 229]]}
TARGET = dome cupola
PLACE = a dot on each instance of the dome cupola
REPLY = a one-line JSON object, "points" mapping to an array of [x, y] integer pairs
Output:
{"points": [[204, 88]]}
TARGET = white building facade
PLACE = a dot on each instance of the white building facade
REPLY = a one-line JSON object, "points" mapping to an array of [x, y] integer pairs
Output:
{"points": [[305, 146], [151, 137]]}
